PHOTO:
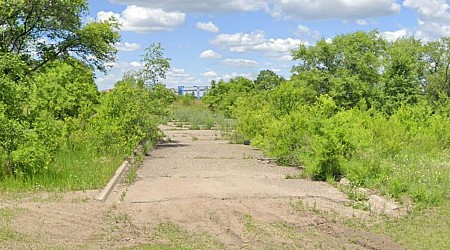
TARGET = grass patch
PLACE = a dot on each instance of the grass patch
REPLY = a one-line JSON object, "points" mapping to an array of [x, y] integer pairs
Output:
{"points": [[6, 232], [427, 229], [424, 229], [196, 115], [175, 238], [77, 169], [80, 168]]}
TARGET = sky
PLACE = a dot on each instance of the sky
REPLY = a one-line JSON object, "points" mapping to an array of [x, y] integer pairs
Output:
{"points": [[221, 39]]}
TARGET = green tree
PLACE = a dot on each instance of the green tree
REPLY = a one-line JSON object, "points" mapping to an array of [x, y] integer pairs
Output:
{"points": [[41, 31], [437, 56], [403, 74], [154, 66], [346, 68], [64, 90], [267, 80]]}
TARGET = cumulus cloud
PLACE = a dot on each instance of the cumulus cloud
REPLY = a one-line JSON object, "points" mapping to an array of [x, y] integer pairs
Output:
{"points": [[209, 74], [299, 9], [429, 30], [303, 30], [127, 47], [325, 9], [239, 42], [434, 18], [228, 76], [430, 9], [392, 36], [211, 27], [257, 42], [145, 20], [210, 54], [195, 6], [240, 63], [136, 64], [177, 76]]}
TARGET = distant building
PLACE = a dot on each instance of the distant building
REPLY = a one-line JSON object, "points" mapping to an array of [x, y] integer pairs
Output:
{"points": [[197, 91]]}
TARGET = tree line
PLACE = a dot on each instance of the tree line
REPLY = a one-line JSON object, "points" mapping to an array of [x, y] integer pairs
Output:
{"points": [[358, 106], [49, 102]]}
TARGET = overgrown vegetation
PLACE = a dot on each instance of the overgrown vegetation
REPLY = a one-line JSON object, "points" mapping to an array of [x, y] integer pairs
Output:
{"points": [[57, 131], [195, 114], [360, 107]]}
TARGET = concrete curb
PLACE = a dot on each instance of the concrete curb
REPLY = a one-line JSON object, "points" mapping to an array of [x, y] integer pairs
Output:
{"points": [[113, 181], [103, 196]]}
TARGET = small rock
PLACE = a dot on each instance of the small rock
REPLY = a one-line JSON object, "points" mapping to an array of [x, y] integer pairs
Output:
{"points": [[344, 182], [362, 191]]}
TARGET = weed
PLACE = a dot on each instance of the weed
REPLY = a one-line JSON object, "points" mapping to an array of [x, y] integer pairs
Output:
{"points": [[122, 196], [177, 238], [294, 176], [6, 232]]}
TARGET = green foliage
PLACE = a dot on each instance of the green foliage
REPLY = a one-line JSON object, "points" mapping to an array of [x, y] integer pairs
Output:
{"points": [[55, 31], [360, 107], [197, 116], [58, 132], [66, 91]]}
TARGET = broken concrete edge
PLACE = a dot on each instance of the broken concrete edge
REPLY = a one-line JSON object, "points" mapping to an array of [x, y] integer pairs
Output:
{"points": [[113, 181], [126, 164]]}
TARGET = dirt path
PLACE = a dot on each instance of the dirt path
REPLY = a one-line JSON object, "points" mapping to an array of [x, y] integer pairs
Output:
{"points": [[197, 192]]}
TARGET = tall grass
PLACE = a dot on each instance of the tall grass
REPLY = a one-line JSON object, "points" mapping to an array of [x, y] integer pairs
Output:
{"points": [[82, 168], [196, 115]]}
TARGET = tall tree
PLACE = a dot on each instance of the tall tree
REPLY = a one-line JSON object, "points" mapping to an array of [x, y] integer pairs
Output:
{"points": [[267, 80], [403, 73], [437, 55], [41, 31], [154, 66], [346, 68]]}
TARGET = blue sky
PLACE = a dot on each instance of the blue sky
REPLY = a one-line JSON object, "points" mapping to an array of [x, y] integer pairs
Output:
{"points": [[220, 39]]}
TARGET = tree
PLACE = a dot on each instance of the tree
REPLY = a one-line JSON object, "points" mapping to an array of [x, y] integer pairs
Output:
{"points": [[154, 66], [346, 68], [403, 73], [437, 56], [267, 80], [64, 90], [42, 31]]}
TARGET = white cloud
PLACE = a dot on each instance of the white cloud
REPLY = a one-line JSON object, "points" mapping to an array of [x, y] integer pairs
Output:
{"points": [[325, 9], [365, 22], [227, 77], [145, 20], [209, 74], [429, 30], [434, 18], [106, 81], [177, 76], [211, 27], [392, 36], [195, 6], [304, 30], [239, 42], [210, 54], [430, 9], [127, 47], [136, 64], [240, 63], [105, 15], [302, 9], [256, 41]]}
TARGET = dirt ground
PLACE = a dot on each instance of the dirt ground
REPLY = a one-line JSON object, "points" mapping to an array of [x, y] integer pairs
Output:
{"points": [[194, 191]]}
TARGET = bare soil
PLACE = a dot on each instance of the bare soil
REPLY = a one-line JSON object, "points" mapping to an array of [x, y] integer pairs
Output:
{"points": [[193, 191]]}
